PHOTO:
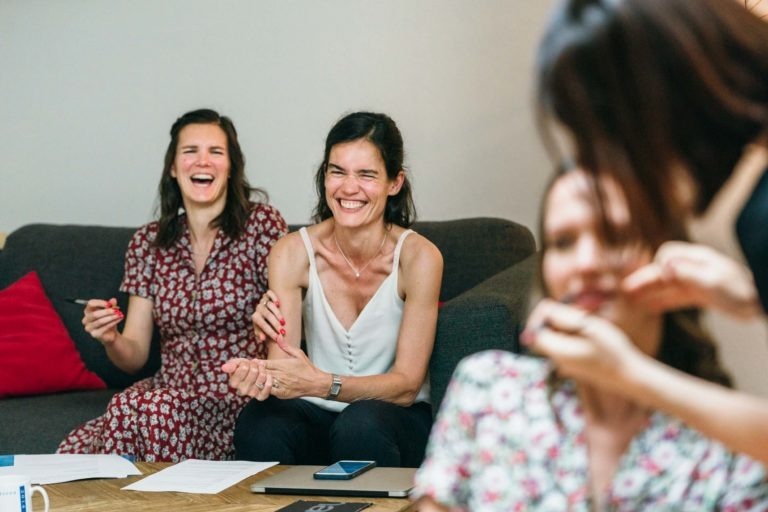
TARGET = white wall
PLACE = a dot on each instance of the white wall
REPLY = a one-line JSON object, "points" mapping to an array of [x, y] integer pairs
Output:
{"points": [[90, 88]]}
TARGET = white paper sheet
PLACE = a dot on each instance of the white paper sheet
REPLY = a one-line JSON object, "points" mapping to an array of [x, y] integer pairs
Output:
{"points": [[199, 476], [51, 469]]}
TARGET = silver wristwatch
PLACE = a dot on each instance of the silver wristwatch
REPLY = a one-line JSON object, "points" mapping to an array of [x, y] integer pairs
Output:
{"points": [[335, 389]]}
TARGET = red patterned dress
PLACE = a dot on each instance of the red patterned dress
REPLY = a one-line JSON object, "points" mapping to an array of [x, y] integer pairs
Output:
{"points": [[187, 410]]}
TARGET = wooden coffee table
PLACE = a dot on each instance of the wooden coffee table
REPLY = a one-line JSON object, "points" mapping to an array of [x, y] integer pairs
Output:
{"points": [[106, 495]]}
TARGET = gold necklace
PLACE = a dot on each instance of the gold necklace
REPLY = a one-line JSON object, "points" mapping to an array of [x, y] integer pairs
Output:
{"points": [[357, 272]]}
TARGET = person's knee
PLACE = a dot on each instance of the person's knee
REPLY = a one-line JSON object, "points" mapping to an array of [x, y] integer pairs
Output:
{"points": [[365, 419], [364, 431], [249, 430], [278, 430]]}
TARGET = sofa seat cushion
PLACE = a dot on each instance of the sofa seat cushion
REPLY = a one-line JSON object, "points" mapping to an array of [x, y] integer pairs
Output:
{"points": [[37, 424], [37, 354]]}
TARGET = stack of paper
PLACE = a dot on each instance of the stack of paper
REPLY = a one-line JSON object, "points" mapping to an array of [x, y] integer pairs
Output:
{"points": [[51, 469]]}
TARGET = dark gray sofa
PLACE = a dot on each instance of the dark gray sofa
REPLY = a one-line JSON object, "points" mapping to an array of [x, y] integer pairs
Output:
{"points": [[489, 265]]}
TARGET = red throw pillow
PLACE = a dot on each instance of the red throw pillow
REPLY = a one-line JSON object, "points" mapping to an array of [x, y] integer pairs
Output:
{"points": [[36, 353]]}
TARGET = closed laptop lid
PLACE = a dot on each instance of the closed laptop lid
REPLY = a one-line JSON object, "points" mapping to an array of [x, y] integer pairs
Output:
{"points": [[378, 482]]}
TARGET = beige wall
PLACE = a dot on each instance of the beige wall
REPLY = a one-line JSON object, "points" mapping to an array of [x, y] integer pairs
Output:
{"points": [[90, 88]]}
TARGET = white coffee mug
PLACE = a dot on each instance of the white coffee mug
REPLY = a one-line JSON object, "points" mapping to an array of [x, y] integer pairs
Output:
{"points": [[16, 493]]}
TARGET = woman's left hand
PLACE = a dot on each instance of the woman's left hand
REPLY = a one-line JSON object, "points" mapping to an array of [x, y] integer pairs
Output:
{"points": [[295, 376]]}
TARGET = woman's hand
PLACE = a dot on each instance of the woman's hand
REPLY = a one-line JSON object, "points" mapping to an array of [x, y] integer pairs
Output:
{"points": [[685, 275], [581, 346], [268, 321], [249, 377], [295, 376], [289, 377], [100, 319]]}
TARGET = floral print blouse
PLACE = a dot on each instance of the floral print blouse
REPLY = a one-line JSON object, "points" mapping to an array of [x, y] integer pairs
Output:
{"points": [[505, 439]]}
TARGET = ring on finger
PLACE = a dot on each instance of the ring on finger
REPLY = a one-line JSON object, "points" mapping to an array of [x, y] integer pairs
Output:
{"points": [[275, 383]]}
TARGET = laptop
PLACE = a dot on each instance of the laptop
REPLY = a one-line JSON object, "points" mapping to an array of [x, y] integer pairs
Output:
{"points": [[377, 482]]}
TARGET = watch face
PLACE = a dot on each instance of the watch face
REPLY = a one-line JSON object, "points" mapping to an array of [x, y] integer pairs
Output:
{"points": [[335, 387]]}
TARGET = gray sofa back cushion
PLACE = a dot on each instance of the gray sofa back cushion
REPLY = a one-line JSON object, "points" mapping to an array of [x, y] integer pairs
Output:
{"points": [[475, 249]]}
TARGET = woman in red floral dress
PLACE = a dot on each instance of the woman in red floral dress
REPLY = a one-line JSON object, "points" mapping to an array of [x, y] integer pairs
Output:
{"points": [[197, 273]]}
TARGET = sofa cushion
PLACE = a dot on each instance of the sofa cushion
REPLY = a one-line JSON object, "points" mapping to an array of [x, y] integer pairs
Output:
{"points": [[489, 316], [475, 249], [76, 261], [36, 353], [37, 424]]}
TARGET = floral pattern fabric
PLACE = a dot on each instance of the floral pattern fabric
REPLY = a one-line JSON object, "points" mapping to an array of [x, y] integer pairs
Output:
{"points": [[186, 410], [506, 439]]}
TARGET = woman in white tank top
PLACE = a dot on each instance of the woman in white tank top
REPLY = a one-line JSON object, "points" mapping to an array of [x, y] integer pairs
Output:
{"points": [[364, 290]]}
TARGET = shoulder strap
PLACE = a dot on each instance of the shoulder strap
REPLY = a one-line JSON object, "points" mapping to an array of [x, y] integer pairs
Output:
{"points": [[308, 246], [398, 247]]}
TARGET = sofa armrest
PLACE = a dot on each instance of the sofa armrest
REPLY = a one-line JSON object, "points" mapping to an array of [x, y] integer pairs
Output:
{"points": [[487, 316]]}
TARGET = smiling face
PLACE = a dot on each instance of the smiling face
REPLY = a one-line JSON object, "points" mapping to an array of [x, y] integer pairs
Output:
{"points": [[201, 165], [579, 265], [356, 183]]}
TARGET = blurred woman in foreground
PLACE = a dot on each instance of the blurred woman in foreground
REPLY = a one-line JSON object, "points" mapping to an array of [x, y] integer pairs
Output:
{"points": [[518, 433], [670, 98]]}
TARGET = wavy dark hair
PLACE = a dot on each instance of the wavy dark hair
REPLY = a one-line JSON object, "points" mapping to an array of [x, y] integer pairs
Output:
{"points": [[238, 206], [647, 86], [381, 131], [685, 343]]}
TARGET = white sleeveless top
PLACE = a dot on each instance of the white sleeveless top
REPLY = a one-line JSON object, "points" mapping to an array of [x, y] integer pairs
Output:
{"points": [[369, 346]]}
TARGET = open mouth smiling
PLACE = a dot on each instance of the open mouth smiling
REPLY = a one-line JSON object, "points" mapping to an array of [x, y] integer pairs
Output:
{"points": [[201, 179], [349, 204]]}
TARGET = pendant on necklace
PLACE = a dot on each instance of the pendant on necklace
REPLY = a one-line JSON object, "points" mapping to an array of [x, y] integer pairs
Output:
{"points": [[349, 263]]}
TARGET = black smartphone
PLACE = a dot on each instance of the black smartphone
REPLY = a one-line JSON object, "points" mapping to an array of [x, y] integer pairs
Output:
{"points": [[344, 469]]}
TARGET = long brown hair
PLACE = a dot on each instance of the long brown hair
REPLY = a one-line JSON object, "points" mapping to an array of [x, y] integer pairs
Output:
{"points": [[647, 86], [238, 206]]}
